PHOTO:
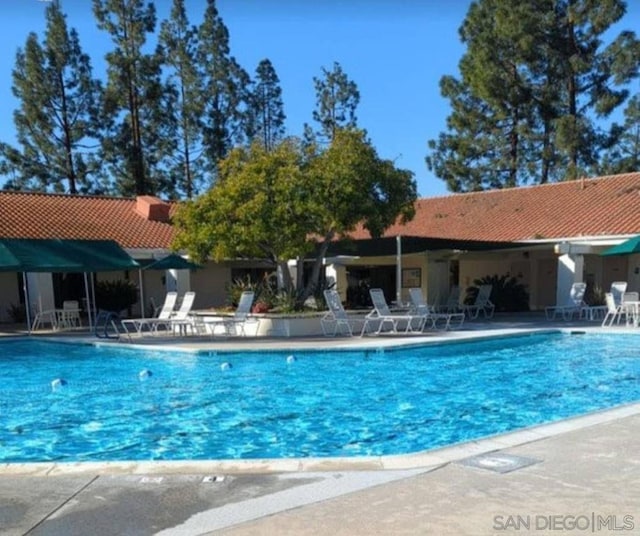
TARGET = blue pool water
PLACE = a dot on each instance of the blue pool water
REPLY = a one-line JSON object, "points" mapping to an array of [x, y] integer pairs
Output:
{"points": [[340, 403]]}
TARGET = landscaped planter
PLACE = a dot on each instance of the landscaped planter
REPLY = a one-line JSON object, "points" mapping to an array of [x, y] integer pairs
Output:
{"points": [[270, 324], [284, 325]]}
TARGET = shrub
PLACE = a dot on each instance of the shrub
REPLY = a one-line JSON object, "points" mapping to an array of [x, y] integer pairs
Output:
{"points": [[115, 296], [263, 290], [17, 313], [269, 298], [594, 295], [507, 293]]}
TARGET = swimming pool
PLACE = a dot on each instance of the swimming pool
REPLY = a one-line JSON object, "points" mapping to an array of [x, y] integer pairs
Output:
{"points": [[124, 404]]}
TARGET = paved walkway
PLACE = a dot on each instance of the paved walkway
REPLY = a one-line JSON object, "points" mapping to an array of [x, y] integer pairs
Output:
{"points": [[579, 476], [586, 481]]}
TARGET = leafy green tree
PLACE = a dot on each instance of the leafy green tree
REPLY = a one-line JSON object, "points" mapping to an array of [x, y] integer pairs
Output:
{"points": [[178, 45], [254, 210], [266, 112], [337, 98], [55, 122], [135, 142], [291, 202], [533, 83], [226, 86]]}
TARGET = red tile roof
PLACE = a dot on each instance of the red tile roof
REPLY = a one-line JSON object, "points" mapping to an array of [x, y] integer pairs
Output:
{"points": [[607, 205], [590, 207], [38, 215]]}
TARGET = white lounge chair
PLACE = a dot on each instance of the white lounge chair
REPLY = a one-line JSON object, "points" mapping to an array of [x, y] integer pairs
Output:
{"points": [[614, 312], [452, 304], [619, 295], [151, 324], [336, 319], [618, 288], [181, 321], [382, 316], [574, 304], [236, 323], [482, 303], [420, 307]]}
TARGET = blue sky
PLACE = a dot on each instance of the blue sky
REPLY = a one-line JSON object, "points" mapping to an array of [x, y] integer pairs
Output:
{"points": [[396, 51]]}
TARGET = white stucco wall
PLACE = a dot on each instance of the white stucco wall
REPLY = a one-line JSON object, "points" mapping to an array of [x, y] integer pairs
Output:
{"points": [[210, 285]]}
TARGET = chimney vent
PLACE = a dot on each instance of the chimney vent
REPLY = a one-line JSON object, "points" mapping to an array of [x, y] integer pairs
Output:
{"points": [[152, 208]]}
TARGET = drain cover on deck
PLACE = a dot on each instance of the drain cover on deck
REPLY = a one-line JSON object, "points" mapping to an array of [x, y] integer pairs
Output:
{"points": [[498, 462]]}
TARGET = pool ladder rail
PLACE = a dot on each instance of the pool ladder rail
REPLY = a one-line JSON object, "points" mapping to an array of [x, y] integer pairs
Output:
{"points": [[108, 325]]}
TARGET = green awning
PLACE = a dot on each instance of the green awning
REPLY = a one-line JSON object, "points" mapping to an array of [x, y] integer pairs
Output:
{"points": [[56, 255], [624, 248], [170, 262], [8, 261], [100, 255]]}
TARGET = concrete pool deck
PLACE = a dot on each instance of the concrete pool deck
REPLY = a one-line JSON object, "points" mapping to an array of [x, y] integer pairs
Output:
{"points": [[580, 471]]}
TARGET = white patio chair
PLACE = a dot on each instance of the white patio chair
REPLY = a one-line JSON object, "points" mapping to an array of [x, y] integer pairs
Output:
{"points": [[419, 306], [452, 305], [382, 316], [69, 316], [182, 319], [236, 323], [614, 312], [629, 306], [574, 304], [618, 288], [42, 317], [151, 324], [336, 318], [482, 303]]}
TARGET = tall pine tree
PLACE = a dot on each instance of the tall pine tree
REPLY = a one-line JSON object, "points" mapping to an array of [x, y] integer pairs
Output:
{"points": [[55, 122], [591, 78], [135, 142], [491, 103], [266, 112], [535, 82], [226, 90], [337, 98], [623, 154], [178, 46]]}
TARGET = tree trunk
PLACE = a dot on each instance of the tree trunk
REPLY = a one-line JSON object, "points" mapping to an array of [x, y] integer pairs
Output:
{"points": [[312, 284], [284, 276]]}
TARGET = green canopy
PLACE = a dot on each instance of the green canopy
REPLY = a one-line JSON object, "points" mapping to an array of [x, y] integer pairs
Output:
{"points": [[8, 261], [170, 262], [56, 255], [632, 245], [100, 255]]}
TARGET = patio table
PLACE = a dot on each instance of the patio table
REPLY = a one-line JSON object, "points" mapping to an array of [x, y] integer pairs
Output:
{"points": [[632, 309]]}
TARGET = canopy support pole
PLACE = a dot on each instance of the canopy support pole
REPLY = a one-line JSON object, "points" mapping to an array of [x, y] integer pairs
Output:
{"points": [[142, 308], [398, 270], [89, 302], [27, 304], [94, 309]]}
